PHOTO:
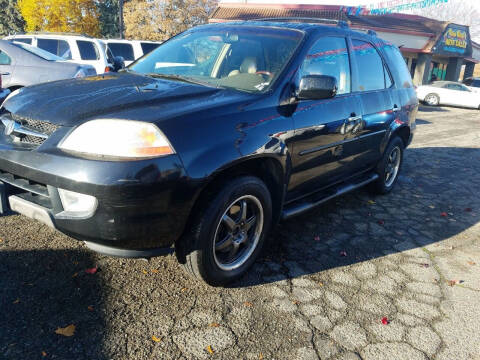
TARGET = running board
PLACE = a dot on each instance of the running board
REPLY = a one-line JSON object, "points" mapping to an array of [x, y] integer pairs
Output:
{"points": [[301, 206]]}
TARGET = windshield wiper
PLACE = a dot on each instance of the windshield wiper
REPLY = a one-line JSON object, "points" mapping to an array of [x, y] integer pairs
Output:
{"points": [[180, 78]]}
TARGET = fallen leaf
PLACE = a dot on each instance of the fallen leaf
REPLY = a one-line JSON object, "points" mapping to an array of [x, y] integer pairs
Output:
{"points": [[16, 301], [75, 263], [44, 353], [184, 289], [210, 350], [145, 271], [371, 202], [91, 270], [452, 282], [444, 214], [66, 331], [471, 263], [154, 271], [468, 209], [343, 253], [90, 308], [385, 321], [425, 265], [156, 339], [260, 356], [320, 283], [214, 325], [431, 206], [296, 302], [381, 222], [75, 275], [316, 238], [248, 303], [1, 240]]}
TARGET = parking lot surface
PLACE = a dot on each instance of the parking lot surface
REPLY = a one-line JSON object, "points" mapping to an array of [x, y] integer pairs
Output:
{"points": [[361, 277]]}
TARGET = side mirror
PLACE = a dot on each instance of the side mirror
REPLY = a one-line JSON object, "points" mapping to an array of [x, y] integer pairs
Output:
{"points": [[316, 87], [118, 63]]}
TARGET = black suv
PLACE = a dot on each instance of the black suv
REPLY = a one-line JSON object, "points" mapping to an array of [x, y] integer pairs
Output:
{"points": [[206, 142]]}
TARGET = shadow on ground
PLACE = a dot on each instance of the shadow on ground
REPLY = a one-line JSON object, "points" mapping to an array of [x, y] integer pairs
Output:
{"points": [[433, 181]]}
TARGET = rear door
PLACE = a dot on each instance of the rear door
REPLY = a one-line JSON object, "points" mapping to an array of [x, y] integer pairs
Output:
{"points": [[372, 81], [7, 66], [321, 125]]}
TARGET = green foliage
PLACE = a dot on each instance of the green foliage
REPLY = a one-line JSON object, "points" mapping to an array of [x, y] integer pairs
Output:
{"points": [[10, 19], [109, 22]]}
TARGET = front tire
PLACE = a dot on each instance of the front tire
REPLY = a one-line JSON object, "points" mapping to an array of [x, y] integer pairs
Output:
{"points": [[389, 167], [432, 99], [228, 232]]}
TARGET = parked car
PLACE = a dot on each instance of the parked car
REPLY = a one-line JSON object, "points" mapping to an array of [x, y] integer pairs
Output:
{"points": [[74, 48], [130, 50], [25, 65], [448, 93], [3, 92], [208, 141], [472, 83]]}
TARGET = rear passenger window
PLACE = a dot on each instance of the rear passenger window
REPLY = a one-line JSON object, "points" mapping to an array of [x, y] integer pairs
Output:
{"points": [[23, 40], [395, 58], [123, 50], [147, 47], [371, 75], [4, 58], [56, 47], [329, 56], [88, 50]]}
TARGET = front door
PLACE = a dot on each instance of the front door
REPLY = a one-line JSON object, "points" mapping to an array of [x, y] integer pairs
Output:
{"points": [[321, 126], [6, 68]]}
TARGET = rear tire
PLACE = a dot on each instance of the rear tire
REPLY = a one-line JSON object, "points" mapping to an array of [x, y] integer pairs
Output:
{"points": [[389, 167], [432, 99], [228, 232]]}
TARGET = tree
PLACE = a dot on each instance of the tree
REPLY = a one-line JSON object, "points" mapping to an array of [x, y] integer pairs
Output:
{"points": [[463, 12], [11, 21], [161, 19], [77, 16], [109, 21]]}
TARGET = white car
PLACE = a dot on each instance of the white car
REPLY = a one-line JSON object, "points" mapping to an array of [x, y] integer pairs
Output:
{"points": [[448, 93], [74, 48], [130, 50]]}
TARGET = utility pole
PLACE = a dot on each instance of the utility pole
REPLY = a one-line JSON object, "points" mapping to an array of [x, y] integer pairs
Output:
{"points": [[120, 15]]}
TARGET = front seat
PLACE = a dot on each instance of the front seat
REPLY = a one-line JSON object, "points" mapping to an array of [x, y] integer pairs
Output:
{"points": [[248, 66]]}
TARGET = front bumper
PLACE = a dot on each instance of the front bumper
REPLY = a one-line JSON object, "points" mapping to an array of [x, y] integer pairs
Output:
{"points": [[141, 204]]}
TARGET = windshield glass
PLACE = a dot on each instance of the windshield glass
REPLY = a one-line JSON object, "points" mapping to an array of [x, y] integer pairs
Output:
{"points": [[39, 52], [245, 58]]}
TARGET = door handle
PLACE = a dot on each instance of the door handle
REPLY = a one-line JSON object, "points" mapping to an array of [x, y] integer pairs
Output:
{"points": [[5, 73], [395, 108]]}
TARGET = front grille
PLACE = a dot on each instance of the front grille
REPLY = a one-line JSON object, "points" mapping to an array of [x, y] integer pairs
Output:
{"points": [[32, 132]]}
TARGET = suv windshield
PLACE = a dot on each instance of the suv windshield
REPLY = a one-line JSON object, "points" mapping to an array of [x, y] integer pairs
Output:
{"points": [[38, 52], [244, 58]]}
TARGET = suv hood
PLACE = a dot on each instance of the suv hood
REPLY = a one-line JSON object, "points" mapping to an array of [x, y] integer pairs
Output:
{"points": [[71, 102]]}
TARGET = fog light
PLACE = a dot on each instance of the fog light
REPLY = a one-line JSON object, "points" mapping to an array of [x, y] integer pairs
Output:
{"points": [[77, 205]]}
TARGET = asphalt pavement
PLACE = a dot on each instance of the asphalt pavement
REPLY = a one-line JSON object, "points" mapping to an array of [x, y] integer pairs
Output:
{"points": [[361, 277]]}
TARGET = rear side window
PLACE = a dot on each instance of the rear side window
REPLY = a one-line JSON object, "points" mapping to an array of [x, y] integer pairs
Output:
{"points": [[147, 47], [122, 49], [329, 56], [88, 50], [395, 59], [23, 40], [56, 47], [371, 71], [4, 58]]}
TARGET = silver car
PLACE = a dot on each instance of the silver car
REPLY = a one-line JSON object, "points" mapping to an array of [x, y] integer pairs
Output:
{"points": [[24, 65]]}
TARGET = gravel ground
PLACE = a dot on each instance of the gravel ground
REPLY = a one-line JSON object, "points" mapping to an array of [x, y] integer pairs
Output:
{"points": [[319, 292]]}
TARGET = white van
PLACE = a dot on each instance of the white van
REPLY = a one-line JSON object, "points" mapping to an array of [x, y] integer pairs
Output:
{"points": [[130, 50], [75, 48]]}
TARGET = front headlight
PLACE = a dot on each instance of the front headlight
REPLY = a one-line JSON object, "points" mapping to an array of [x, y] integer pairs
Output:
{"points": [[118, 138]]}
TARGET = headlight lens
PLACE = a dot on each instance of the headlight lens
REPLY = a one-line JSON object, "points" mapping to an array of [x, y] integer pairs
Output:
{"points": [[118, 138]]}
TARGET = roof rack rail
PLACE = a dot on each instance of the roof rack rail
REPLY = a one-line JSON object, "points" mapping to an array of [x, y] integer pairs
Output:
{"points": [[51, 33], [339, 23]]}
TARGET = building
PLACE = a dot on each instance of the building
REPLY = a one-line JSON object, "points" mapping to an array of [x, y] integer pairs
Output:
{"points": [[432, 49]]}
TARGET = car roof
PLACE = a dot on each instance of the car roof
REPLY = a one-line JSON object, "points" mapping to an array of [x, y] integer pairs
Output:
{"points": [[305, 25], [51, 35]]}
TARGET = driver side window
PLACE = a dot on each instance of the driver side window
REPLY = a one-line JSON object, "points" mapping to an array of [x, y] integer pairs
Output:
{"points": [[329, 56]]}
